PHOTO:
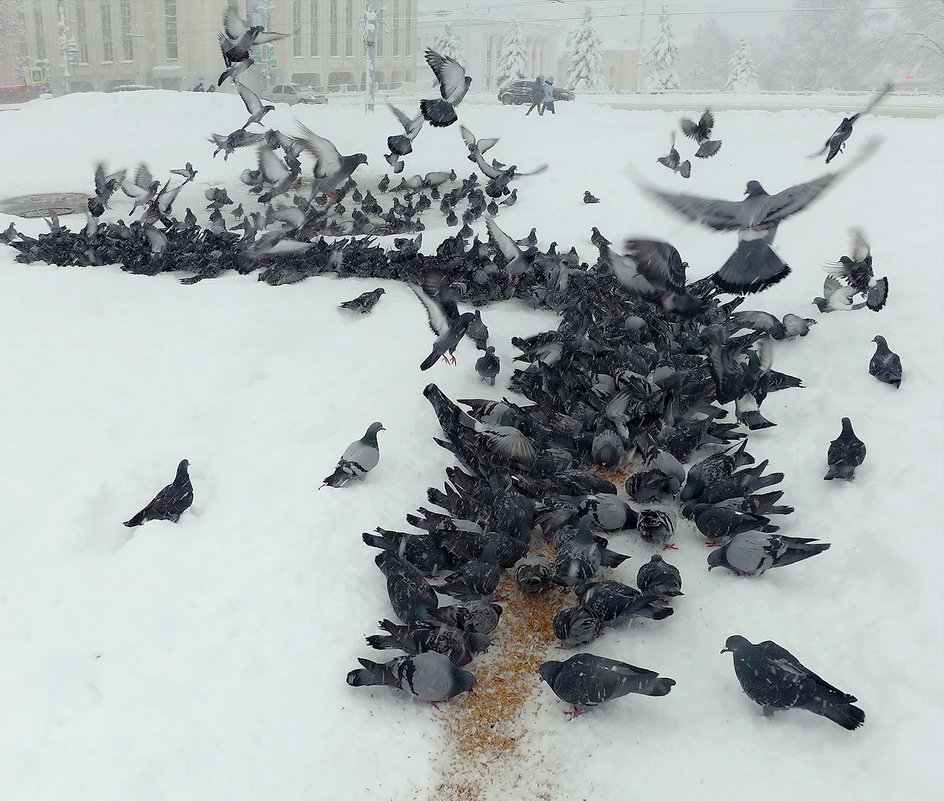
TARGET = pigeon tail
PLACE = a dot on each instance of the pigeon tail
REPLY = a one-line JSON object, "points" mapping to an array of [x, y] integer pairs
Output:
{"points": [[753, 267], [371, 673], [380, 642], [845, 714], [657, 687], [846, 471], [137, 520], [438, 113], [338, 478], [755, 421], [798, 550]]}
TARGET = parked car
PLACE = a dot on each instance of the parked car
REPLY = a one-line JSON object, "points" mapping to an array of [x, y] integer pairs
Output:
{"points": [[293, 93], [519, 93], [130, 87]]}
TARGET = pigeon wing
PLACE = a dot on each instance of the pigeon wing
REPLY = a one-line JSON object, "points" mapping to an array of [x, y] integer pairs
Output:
{"points": [[860, 247], [795, 198], [410, 126], [689, 129], [721, 215], [272, 167], [436, 315], [468, 137], [505, 243], [250, 98], [449, 73], [883, 92], [233, 24], [327, 155], [658, 262], [269, 36]]}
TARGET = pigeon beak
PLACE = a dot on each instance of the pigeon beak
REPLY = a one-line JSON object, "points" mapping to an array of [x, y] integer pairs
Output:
{"points": [[726, 651]]}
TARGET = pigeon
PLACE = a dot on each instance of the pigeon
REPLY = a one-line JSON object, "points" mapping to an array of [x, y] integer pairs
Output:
{"points": [[856, 270], [238, 138], [474, 615], [753, 553], [402, 144], [237, 39], [655, 270], [476, 146], [171, 502], [365, 302], [478, 331], [331, 168], [253, 105], [460, 646], [575, 626], [613, 601], [885, 365], [719, 523], [656, 525], [411, 596], [836, 297], [488, 365], [754, 265], [837, 140], [360, 457], [519, 261], [143, 188], [427, 676], [533, 574], [845, 453], [453, 86], [701, 133], [589, 198], [448, 325], [476, 578], [775, 679], [580, 556], [657, 577], [674, 161], [423, 551], [105, 186], [586, 680]]}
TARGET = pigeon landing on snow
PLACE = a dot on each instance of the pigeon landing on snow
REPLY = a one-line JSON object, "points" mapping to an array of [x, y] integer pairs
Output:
{"points": [[586, 681], [360, 457], [856, 270], [701, 133], [836, 297], [845, 453], [837, 140], [171, 502], [446, 322], [774, 678], [885, 365], [453, 86]]}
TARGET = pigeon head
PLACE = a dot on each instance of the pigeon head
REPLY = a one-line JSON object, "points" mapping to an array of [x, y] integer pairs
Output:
{"points": [[374, 428], [734, 643], [880, 340], [549, 671], [754, 188], [716, 559], [846, 425], [182, 467], [359, 158], [464, 680]]}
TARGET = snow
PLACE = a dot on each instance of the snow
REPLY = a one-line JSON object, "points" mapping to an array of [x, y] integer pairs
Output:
{"points": [[207, 659]]}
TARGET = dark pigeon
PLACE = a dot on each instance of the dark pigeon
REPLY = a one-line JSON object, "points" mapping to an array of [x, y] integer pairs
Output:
{"points": [[845, 453], [365, 302], [460, 646], [657, 577], [453, 86], [775, 679], [171, 502], [885, 365], [656, 526], [488, 366], [674, 161], [533, 574], [837, 140], [589, 198], [448, 325], [586, 681], [701, 133], [575, 626], [410, 595], [857, 272], [427, 677], [475, 616], [612, 602]]}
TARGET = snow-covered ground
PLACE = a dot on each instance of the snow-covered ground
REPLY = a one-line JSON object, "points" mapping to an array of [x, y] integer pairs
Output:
{"points": [[206, 660]]}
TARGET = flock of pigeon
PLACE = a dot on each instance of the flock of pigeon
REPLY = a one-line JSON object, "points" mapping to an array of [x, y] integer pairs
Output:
{"points": [[639, 368]]}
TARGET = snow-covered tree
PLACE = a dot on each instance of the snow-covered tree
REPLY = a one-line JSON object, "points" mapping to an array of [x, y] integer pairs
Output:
{"points": [[586, 64], [918, 45], [448, 44], [743, 75], [514, 57], [660, 60], [704, 65]]}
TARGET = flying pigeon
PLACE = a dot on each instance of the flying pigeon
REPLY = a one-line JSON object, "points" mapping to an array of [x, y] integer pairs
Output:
{"points": [[237, 39], [171, 502], [836, 297], [331, 168], [448, 325], [402, 144], [753, 553], [105, 186], [427, 677], [674, 161], [754, 265], [885, 365], [845, 453], [238, 138], [453, 86], [701, 133], [360, 457], [365, 302], [856, 270], [837, 140], [586, 680], [253, 105], [774, 678]]}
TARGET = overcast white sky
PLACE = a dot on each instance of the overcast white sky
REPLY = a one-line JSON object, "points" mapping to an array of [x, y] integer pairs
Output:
{"points": [[620, 20]]}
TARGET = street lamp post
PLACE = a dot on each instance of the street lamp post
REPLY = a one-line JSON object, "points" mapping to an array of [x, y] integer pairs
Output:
{"points": [[69, 48], [369, 23]]}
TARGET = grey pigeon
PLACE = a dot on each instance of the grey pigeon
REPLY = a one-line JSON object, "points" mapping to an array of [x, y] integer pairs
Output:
{"points": [[836, 297], [753, 553], [674, 161], [885, 365], [657, 577], [238, 138], [474, 615], [845, 453], [171, 502], [360, 457], [411, 597], [608, 512], [656, 526], [488, 366], [580, 556], [701, 133], [586, 680], [331, 168], [837, 140], [478, 331], [754, 265], [453, 86], [402, 144], [365, 302], [774, 678], [533, 574], [427, 677], [253, 105], [613, 602], [460, 646], [857, 271]]}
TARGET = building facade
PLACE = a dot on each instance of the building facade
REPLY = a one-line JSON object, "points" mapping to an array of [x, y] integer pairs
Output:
{"points": [[95, 45]]}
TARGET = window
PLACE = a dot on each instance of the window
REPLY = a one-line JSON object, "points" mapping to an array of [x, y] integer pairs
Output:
{"points": [[296, 27], [349, 25], [313, 27], [127, 43], [333, 22], [81, 36], [396, 27], [108, 52], [170, 27], [40, 38]]}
